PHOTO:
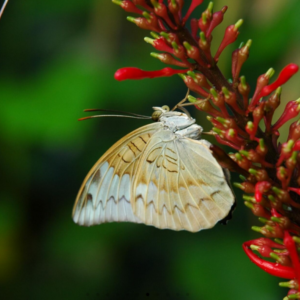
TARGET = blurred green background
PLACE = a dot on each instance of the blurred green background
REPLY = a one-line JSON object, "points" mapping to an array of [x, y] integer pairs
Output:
{"points": [[58, 58]]}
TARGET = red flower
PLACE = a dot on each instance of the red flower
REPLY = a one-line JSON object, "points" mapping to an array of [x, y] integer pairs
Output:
{"points": [[135, 73]]}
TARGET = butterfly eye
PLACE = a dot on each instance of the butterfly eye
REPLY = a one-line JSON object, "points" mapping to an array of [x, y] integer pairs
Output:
{"points": [[156, 114], [166, 107]]}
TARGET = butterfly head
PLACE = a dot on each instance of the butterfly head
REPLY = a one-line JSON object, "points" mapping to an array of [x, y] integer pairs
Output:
{"points": [[163, 114], [159, 111]]}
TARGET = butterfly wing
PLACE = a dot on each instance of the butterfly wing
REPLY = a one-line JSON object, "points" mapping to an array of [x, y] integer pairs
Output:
{"points": [[106, 191], [179, 185]]}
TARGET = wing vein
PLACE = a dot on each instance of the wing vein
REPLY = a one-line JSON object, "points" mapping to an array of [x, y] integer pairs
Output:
{"points": [[208, 196], [170, 203], [183, 206]]}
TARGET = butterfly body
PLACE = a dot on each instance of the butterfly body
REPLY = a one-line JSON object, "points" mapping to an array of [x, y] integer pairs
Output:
{"points": [[161, 175]]}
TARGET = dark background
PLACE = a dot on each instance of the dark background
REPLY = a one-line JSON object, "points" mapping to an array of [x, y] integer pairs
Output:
{"points": [[58, 58]]}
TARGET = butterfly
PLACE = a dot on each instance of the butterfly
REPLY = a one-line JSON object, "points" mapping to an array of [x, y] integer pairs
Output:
{"points": [[161, 174]]}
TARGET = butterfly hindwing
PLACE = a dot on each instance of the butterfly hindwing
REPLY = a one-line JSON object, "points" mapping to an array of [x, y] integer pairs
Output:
{"points": [[179, 185], [208, 185], [106, 191]]}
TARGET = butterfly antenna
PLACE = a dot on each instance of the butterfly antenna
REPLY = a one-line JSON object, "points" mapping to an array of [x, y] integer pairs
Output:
{"points": [[115, 111], [117, 116], [3, 7]]}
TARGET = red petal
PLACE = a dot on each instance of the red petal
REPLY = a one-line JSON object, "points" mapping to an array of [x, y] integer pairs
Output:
{"points": [[274, 269], [283, 77], [136, 73], [291, 247]]}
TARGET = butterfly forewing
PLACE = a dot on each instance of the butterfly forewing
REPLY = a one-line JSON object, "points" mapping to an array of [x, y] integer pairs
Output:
{"points": [[179, 185], [106, 191]]}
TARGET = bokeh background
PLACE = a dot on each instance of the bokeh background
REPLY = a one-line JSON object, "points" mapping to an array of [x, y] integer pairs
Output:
{"points": [[58, 58]]}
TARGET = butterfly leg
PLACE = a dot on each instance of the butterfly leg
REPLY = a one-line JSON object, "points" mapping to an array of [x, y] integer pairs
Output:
{"points": [[182, 101]]}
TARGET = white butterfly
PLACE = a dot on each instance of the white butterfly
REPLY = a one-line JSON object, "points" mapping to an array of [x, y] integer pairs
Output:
{"points": [[160, 174]]}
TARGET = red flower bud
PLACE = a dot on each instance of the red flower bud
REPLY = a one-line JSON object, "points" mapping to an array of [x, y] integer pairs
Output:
{"points": [[192, 85], [244, 90], [219, 101], [259, 211], [284, 196], [265, 251], [193, 52], [291, 111], [217, 18], [259, 174], [201, 80], [144, 23], [161, 10], [135, 73], [243, 162], [128, 6], [255, 157], [232, 135], [291, 161], [297, 146], [258, 114], [227, 143], [271, 104], [230, 98], [294, 132], [266, 242], [242, 55], [234, 59], [284, 260], [248, 187], [215, 123], [274, 100], [261, 149], [168, 59], [230, 36], [194, 29], [172, 37], [283, 77], [262, 81], [204, 45], [206, 17], [174, 8], [250, 128], [160, 44], [179, 52], [203, 25], [205, 105], [228, 123], [286, 151], [261, 188], [272, 231], [275, 213]]}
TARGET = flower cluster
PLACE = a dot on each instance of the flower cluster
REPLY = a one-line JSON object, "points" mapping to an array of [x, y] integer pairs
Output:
{"points": [[270, 171]]}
